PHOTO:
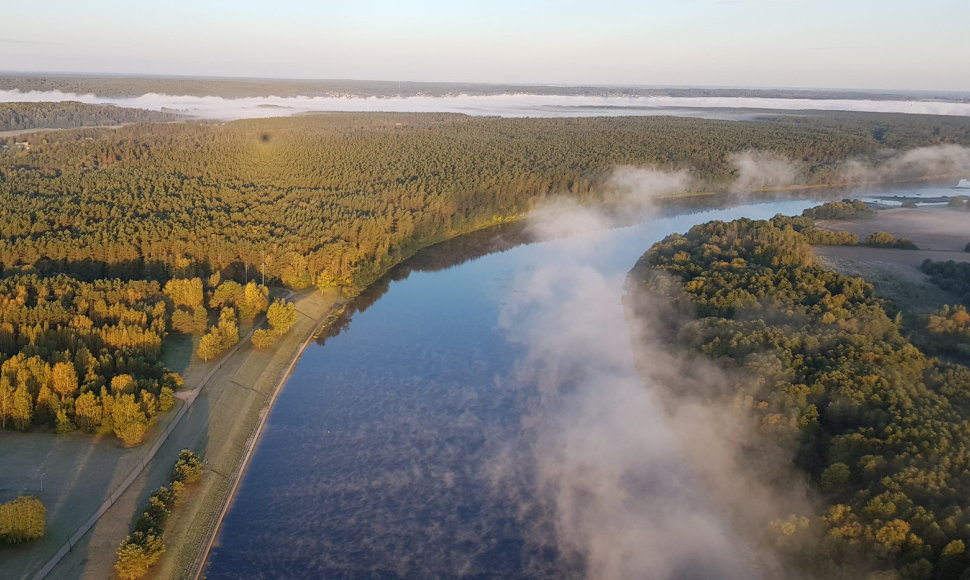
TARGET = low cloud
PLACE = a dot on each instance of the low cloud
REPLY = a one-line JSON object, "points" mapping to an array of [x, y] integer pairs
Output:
{"points": [[639, 187], [762, 169], [505, 105], [639, 478], [921, 163]]}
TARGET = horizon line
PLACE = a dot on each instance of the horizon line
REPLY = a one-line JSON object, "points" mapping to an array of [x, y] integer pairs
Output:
{"points": [[149, 76]]}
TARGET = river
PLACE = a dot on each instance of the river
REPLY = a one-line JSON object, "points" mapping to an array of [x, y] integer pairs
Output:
{"points": [[417, 440]]}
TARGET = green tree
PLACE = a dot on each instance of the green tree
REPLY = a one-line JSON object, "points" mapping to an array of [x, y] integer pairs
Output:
{"points": [[166, 399], [893, 535], [128, 420], [6, 401], [281, 316], [22, 409], [835, 476], [137, 554], [263, 338], [255, 300], [88, 412], [22, 519], [188, 467], [124, 383], [185, 292], [209, 346], [64, 378]]}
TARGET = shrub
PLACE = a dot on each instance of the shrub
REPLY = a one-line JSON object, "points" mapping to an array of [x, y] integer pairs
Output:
{"points": [[22, 519], [263, 338], [885, 240], [188, 468], [839, 210]]}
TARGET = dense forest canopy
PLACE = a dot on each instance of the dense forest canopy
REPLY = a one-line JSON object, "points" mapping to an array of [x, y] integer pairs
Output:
{"points": [[337, 198], [64, 115], [111, 239], [881, 430]]}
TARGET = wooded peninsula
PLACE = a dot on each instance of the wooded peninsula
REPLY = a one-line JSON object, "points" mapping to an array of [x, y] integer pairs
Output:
{"points": [[825, 370]]}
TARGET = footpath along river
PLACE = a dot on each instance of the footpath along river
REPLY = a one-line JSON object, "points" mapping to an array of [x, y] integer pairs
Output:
{"points": [[405, 446]]}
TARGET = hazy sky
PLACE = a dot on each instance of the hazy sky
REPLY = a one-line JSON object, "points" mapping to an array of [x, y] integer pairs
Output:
{"points": [[894, 44]]}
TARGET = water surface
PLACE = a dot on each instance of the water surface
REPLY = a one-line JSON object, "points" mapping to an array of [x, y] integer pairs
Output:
{"points": [[378, 460]]}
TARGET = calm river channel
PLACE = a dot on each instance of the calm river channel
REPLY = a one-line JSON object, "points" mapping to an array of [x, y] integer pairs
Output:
{"points": [[387, 454]]}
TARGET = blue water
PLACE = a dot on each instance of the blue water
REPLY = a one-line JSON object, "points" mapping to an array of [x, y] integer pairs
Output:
{"points": [[375, 462]]}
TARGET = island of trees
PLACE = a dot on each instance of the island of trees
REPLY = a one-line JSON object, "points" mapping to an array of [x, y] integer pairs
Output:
{"points": [[814, 362]]}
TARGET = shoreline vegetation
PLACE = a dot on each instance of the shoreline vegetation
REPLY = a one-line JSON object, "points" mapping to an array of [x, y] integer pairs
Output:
{"points": [[330, 202]]}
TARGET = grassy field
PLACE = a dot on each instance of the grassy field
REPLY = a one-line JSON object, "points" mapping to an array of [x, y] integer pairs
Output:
{"points": [[941, 234]]}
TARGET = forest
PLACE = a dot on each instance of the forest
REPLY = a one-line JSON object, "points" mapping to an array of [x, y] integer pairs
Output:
{"points": [[335, 199], [113, 239], [814, 362], [65, 115]]}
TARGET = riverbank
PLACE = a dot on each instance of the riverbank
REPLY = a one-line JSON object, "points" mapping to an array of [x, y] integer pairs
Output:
{"points": [[196, 520], [223, 424], [216, 418]]}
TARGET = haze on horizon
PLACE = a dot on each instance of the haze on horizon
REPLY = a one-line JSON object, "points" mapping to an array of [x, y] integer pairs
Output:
{"points": [[854, 44]]}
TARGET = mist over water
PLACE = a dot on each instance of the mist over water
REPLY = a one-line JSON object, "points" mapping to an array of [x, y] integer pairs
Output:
{"points": [[486, 420], [604, 463], [504, 105]]}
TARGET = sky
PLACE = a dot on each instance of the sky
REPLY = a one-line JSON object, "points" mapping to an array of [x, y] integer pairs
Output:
{"points": [[864, 44]]}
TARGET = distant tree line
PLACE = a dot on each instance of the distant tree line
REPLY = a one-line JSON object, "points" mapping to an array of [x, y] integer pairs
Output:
{"points": [[70, 114], [333, 200]]}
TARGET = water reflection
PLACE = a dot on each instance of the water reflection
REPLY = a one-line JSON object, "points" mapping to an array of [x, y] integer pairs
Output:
{"points": [[379, 458]]}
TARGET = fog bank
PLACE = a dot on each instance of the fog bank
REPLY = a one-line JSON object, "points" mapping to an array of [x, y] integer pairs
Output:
{"points": [[640, 481], [505, 105]]}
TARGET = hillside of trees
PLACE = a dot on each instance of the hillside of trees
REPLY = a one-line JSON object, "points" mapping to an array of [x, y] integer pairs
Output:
{"points": [[880, 430], [70, 114]]}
